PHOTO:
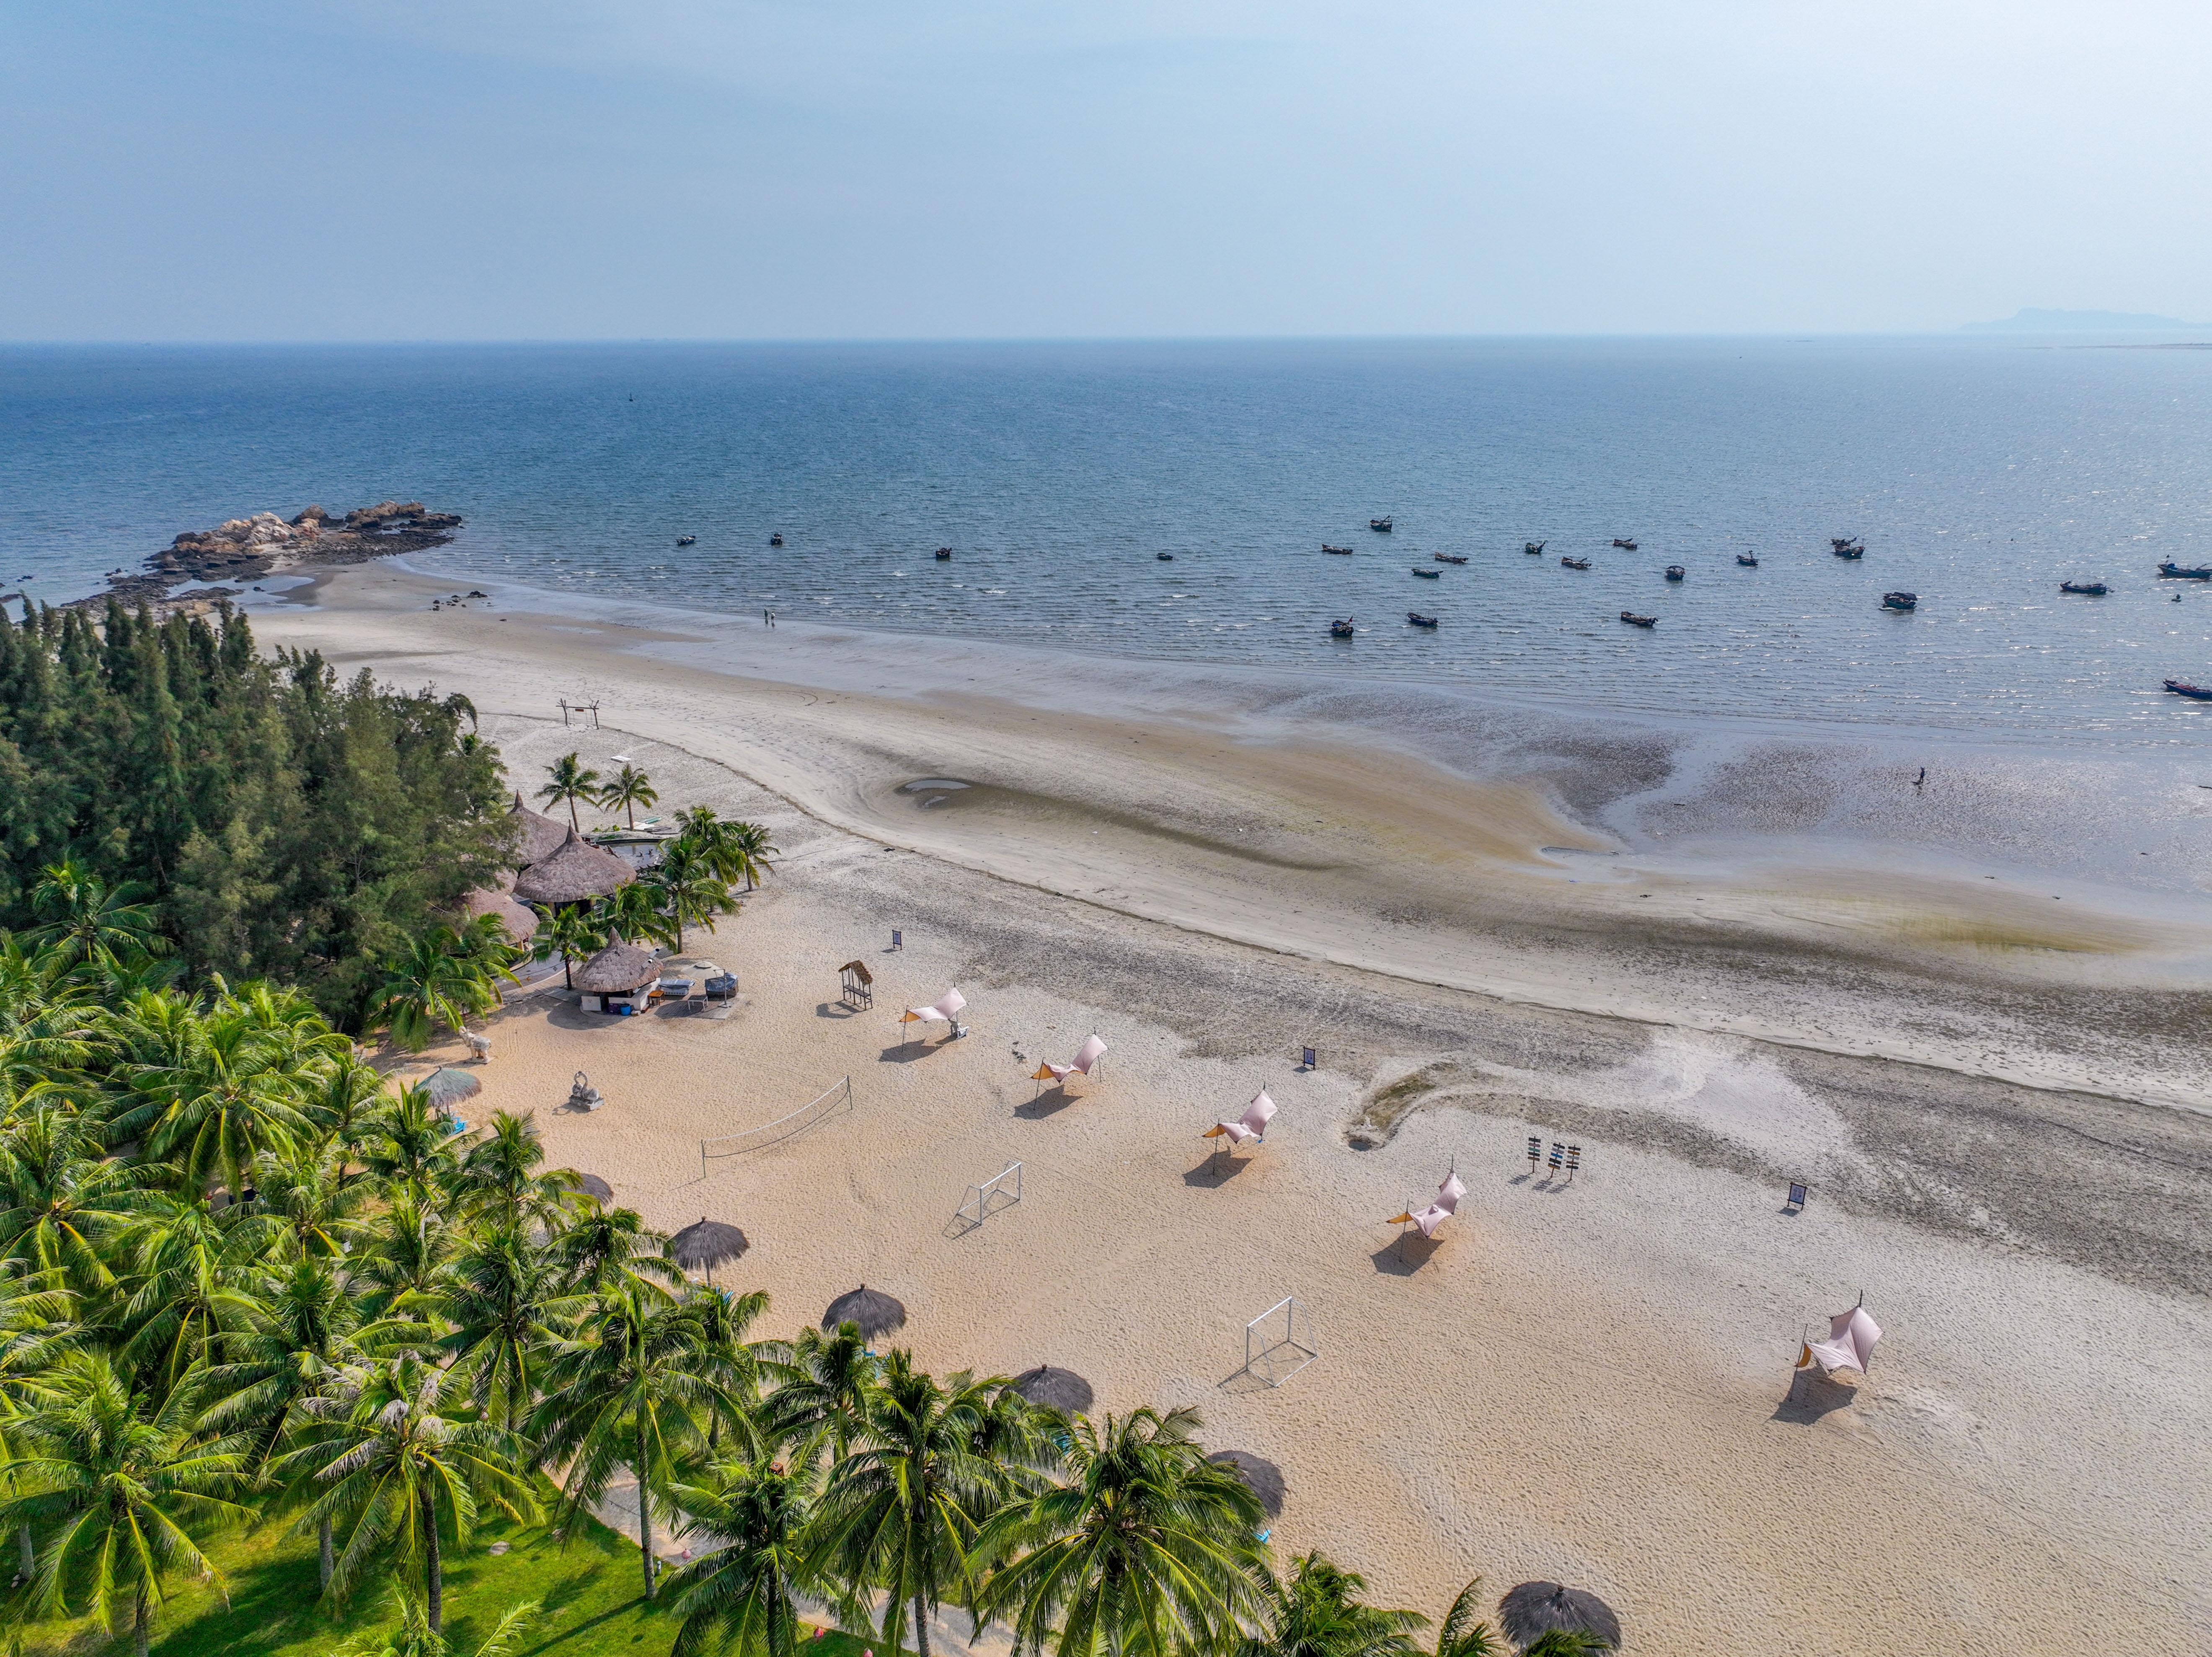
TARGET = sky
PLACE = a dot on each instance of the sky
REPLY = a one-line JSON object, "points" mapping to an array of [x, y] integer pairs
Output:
{"points": [[283, 170]]}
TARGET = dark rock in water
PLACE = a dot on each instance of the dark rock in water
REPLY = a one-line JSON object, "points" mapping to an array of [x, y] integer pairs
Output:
{"points": [[244, 550]]}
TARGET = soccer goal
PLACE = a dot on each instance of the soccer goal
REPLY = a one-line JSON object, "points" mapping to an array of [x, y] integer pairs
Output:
{"points": [[1280, 1342], [823, 1105], [1001, 1191]]}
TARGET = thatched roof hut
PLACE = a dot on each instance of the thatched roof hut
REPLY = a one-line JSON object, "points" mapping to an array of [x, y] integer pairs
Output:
{"points": [[541, 835], [519, 918], [618, 969], [576, 872]]}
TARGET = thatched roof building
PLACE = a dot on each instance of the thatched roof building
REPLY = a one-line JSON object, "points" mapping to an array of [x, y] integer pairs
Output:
{"points": [[621, 968], [541, 835], [521, 920], [576, 872]]}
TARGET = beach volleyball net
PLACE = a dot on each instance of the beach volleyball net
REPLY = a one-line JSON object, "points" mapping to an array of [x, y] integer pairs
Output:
{"points": [[1280, 1342], [832, 1100]]}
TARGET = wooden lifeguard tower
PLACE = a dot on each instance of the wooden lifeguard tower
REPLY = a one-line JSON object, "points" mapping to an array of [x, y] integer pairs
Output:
{"points": [[856, 985]]}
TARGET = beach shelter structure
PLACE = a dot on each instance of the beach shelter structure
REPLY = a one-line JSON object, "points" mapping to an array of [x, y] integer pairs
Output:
{"points": [[539, 835], [575, 872], [856, 985], [592, 1186], [621, 972], [1055, 1389], [1265, 1478], [1848, 1348], [1085, 1062], [449, 1087], [1534, 1610], [519, 918], [709, 1244], [1446, 1205], [871, 1310], [1252, 1126], [941, 1010]]}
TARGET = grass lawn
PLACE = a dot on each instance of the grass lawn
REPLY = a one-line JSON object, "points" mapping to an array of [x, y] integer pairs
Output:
{"points": [[589, 1588]]}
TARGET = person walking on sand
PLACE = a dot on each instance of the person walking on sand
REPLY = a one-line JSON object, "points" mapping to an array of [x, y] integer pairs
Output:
{"points": [[1922, 778]]}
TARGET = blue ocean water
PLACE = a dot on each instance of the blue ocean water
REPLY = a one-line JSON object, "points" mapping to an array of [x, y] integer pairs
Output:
{"points": [[1980, 472]]}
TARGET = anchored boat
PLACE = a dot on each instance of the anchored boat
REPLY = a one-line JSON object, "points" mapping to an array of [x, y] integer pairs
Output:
{"points": [[1419, 619], [1574, 563], [1634, 620], [1625, 546], [1532, 546], [1428, 574], [1847, 546], [1380, 524], [1341, 629], [2173, 572], [1344, 551], [2181, 688], [945, 552], [1448, 557], [1675, 571], [1748, 560], [686, 540], [2094, 589], [776, 539], [1164, 557], [1900, 600]]}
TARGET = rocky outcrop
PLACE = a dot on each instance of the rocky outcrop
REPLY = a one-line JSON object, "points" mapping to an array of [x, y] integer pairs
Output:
{"points": [[246, 549]]}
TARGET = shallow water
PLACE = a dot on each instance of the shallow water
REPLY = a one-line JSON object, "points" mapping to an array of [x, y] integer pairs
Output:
{"points": [[1981, 472]]}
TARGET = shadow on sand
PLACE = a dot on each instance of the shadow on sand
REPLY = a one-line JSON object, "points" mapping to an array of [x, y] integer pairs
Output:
{"points": [[1217, 1170], [1405, 1255], [1812, 1395]]}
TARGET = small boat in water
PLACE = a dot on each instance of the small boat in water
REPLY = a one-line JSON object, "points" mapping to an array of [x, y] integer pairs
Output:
{"points": [[2182, 688], [1164, 557], [1419, 619], [1625, 546], [1532, 546], [1900, 600], [1574, 563], [776, 539], [1448, 557], [2094, 589], [1634, 620], [1380, 524], [686, 540], [2173, 572], [1428, 574], [1843, 548], [1342, 630], [945, 552], [1748, 560], [1343, 552], [1675, 571]]}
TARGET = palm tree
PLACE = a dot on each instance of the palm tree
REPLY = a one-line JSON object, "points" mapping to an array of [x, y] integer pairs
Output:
{"points": [[36, 1325], [303, 1205], [693, 893], [1463, 1633], [754, 850], [500, 1300], [571, 782], [603, 1245], [630, 789], [47, 1013], [903, 1506], [402, 1480], [739, 1598], [498, 1180], [1317, 1612], [732, 850], [185, 1265], [634, 1389], [637, 911], [61, 1199], [572, 932], [409, 1246], [409, 1145], [87, 920], [1149, 1549], [338, 1099], [441, 977], [822, 1400], [415, 1637], [118, 1494]]}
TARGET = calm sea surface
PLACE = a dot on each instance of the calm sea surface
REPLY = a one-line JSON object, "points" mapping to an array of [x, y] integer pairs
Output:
{"points": [[1980, 473]]}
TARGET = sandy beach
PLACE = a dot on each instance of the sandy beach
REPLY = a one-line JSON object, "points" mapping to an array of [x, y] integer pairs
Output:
{"points": [[1991, 1076]]}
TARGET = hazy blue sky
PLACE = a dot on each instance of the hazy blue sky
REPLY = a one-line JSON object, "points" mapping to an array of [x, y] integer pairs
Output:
{"points": [[477, 169]]}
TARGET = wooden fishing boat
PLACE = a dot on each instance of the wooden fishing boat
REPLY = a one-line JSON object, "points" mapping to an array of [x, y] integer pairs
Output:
{"points": [[1532, 546], [1574, 563], [1846, 549], [1625, 546], [2181, 688], [1900, 600], [1342, 630], [1342, 552], [2173, 572], [945, 552], [1419, 619], [1380, 524], [2094, 589], [776, 539], [1428, 574], [1164, 557], [1675, 571], [1448, 557], [1634, 620], [687, 540], [1748, 560]]}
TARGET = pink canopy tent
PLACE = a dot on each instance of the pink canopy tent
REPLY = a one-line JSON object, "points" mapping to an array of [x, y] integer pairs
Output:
{"points": [[1429, 1218], [1252, 1124], [940, 1011], [1850, 1345], [1086, 1057]]}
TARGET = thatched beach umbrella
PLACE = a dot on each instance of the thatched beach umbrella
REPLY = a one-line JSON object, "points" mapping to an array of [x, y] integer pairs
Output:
{"points": [[591, 1186], [1532, 1610], [447, 1087], [576, 872], [874, 1312], [618, 969], [541, 835], [1265, 1478], [1056, 1389], [704, 1247], [519, 918]]}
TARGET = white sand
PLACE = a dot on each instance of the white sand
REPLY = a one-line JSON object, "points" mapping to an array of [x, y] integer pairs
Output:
{"points": [[1580, 1382]]}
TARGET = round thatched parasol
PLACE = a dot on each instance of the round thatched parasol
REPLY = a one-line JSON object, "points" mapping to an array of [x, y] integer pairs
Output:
{"points": [[519, 918], [1056, 1389], [704, 1247], [1265, 1478], [621, 967], [447, 1087], [541, 835], [1530, 1612], [872, 1310], [592, 1186], [576, 872]]}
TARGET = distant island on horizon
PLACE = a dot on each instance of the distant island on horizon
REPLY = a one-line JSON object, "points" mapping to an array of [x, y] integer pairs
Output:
{"points": [[2077, 322]]}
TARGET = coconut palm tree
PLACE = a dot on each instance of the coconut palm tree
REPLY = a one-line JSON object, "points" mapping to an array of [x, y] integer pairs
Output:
{"points": [[440, 978], [634, 1389], [500, 1181], [753, 851], [118, 1494], [1148, 1550], [185, 1267], [304, 1206], [413, 1637], [501, 1301], [1317, 1612], [402, 1480], [903, 1505], [630, 789], [571, 782], [63, 1200], [603, 1245], [573, 931], [1463, 1633], [824, 1381], [38, 1324], [740, 1598], [408, 1247], [85, 919], [639, 911], [409, 1145], [691, 891], [341, 1097], [48, 1022]]}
